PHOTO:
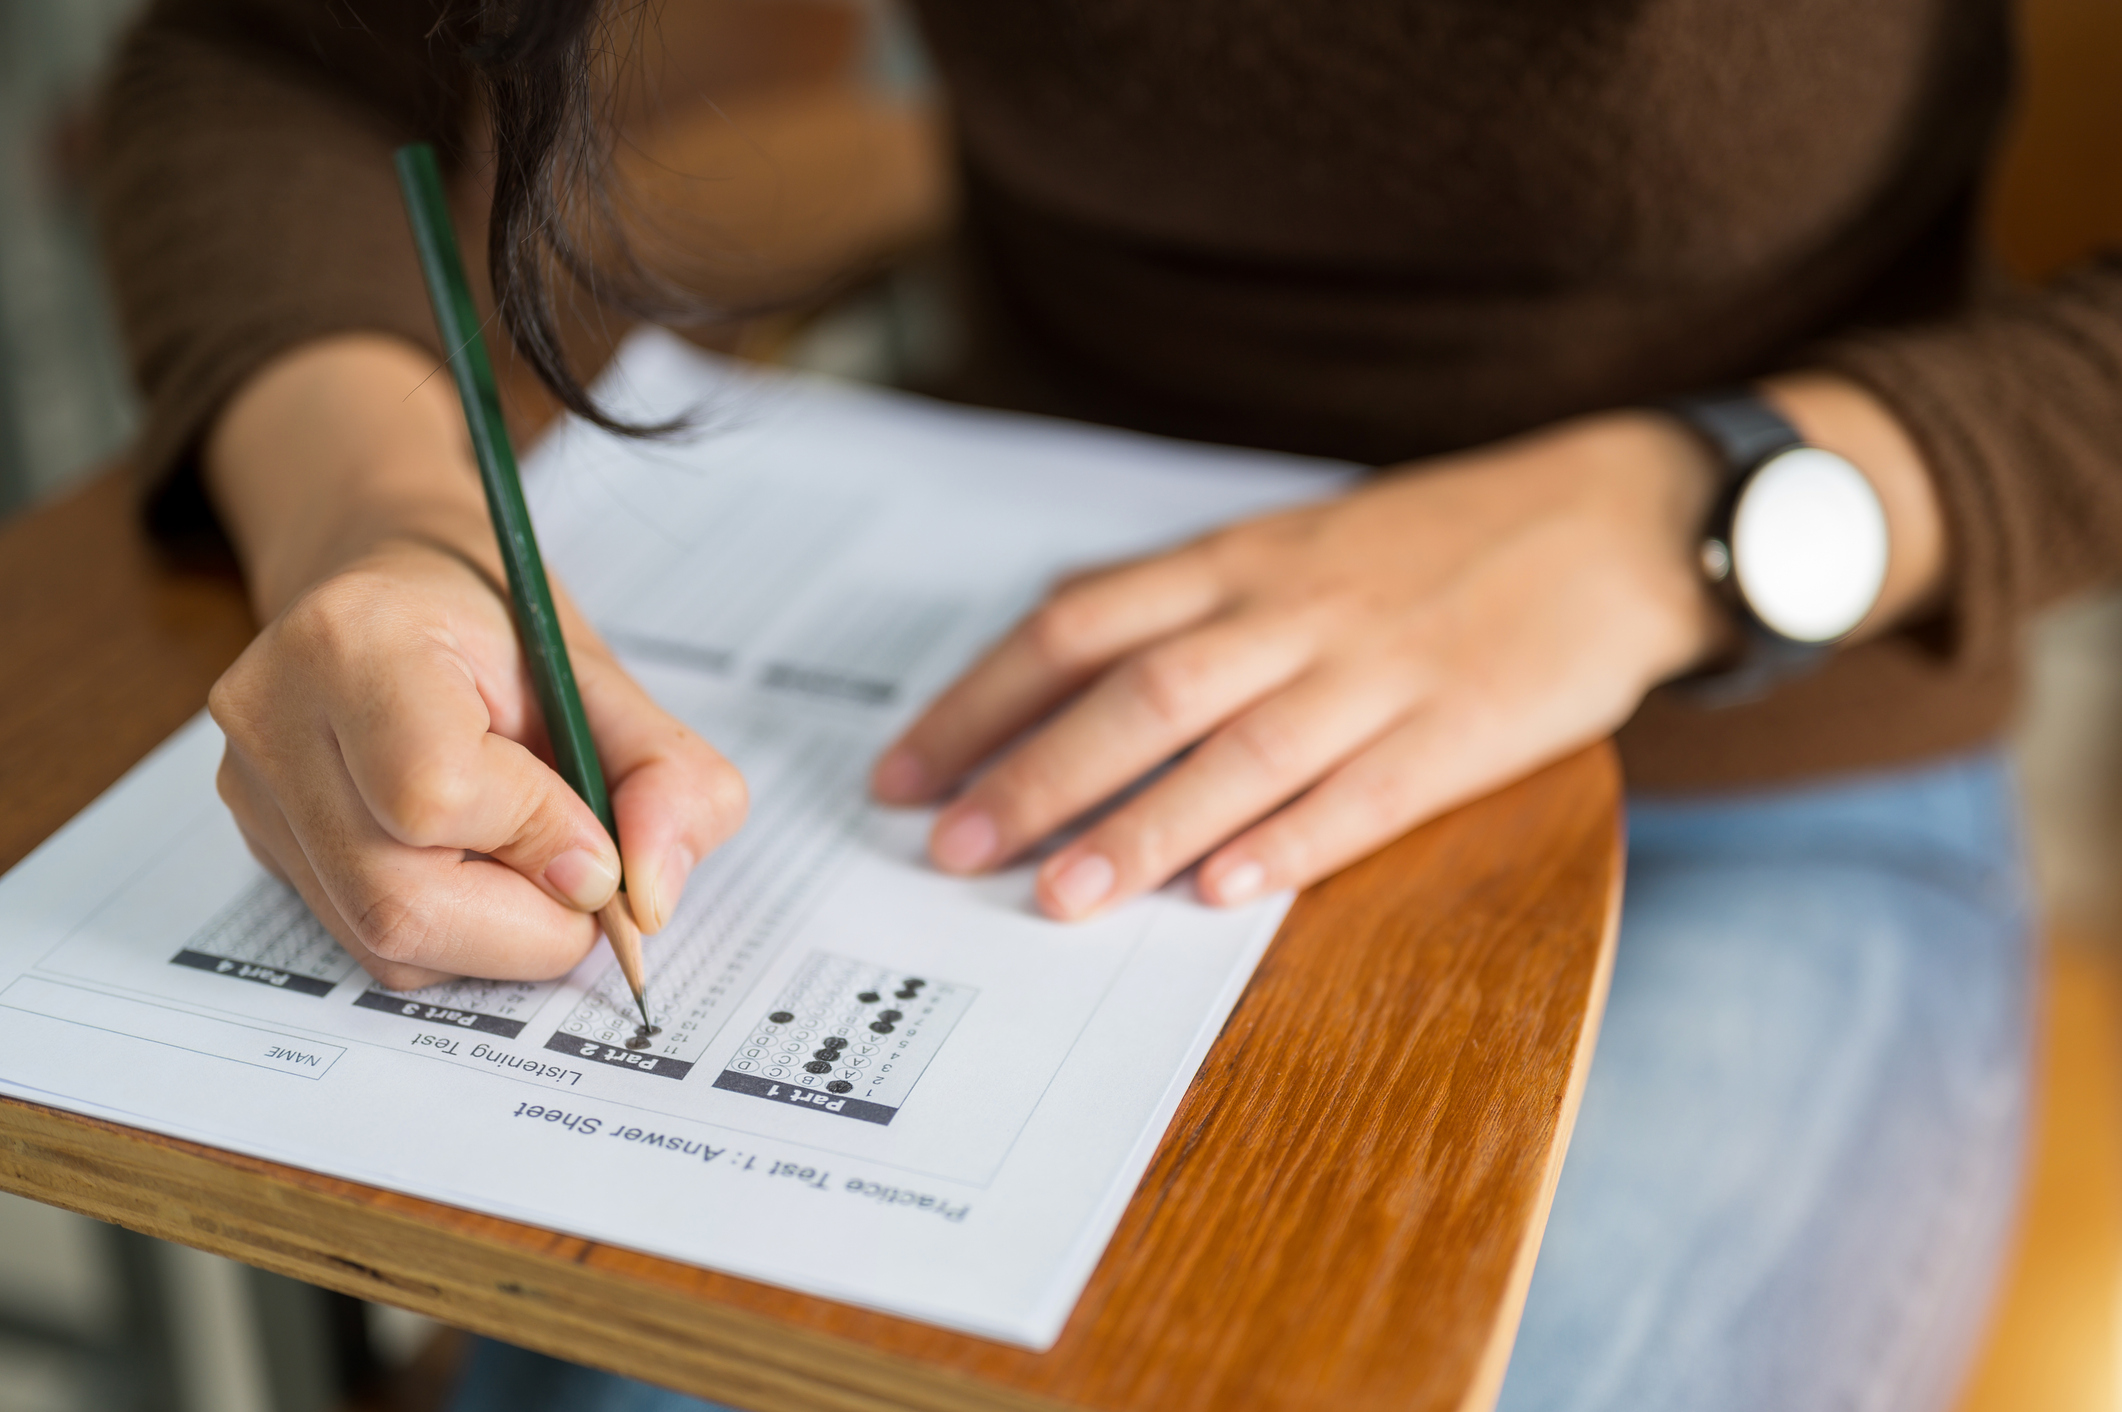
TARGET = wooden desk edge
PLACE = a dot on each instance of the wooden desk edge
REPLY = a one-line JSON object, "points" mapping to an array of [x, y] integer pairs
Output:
{"points": [[1495, 1359], [141, 1180]]}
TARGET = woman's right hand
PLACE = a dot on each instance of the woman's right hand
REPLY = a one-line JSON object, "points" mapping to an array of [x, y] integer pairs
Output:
{"points": [[385, 753]]}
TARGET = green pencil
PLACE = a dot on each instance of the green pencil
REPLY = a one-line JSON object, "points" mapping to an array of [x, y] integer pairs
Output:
{"points": [[530, 594]]}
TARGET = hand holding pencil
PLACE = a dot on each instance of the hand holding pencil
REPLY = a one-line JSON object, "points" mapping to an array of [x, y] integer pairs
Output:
{"points": [[386, 753]]}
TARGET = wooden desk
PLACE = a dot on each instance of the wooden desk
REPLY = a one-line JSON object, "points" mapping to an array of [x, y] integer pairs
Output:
{"points": [[1343, 1215]]}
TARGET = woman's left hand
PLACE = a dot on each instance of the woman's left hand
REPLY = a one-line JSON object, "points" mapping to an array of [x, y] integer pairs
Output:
{"points": [[1336, 673]]}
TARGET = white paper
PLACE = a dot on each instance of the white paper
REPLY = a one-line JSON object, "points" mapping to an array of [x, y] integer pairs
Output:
{"points": [[793, 584]]}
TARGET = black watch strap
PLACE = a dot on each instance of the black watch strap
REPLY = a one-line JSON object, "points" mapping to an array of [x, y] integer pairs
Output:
{"points": [[1739, 426], [1745, 432]]}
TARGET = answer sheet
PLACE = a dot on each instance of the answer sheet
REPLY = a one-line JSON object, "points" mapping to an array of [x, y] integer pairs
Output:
{"points": [[873, 1083]]}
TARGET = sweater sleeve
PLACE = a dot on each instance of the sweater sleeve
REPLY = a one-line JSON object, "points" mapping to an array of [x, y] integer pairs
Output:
{"points": [[2016, 404], [247, 201]]}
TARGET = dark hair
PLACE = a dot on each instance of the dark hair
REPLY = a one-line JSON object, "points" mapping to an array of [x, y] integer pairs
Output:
{"points": [[553, 203]]}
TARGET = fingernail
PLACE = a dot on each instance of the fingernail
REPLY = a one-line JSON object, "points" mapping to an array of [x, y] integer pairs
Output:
{"points": [[1239, 884], [1083, 884], [965, 843], [662, 888], [584, 879], [901, 777]]}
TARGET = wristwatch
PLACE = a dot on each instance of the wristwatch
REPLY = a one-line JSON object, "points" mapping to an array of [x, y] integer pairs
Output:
{"points": [[1796, 545]]}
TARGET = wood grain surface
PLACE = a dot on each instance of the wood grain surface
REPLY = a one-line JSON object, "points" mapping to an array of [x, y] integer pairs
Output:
{"points": [[1343, 1215]]}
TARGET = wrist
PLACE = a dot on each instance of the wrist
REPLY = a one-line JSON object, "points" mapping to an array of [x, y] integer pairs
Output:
{"points": [[1825, 526], [333, 449], [369, 525], [1838, 415], [1657, 483]]}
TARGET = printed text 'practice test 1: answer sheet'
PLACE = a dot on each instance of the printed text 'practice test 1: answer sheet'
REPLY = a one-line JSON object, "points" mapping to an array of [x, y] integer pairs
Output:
{"points": [[873, 1082]]}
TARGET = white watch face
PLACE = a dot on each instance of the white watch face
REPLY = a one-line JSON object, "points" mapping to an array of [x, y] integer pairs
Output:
{"points": [[1809, 545]]}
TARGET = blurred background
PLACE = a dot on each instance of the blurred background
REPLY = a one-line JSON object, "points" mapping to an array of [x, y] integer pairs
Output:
{"points": [[64, 406], [95, 1319]]}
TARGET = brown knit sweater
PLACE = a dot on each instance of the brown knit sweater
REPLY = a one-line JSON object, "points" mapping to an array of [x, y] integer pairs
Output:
{"points": [[1374, 229]]}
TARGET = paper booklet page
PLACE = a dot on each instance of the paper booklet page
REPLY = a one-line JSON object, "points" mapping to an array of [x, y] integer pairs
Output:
{"points": [[874, 1082]]}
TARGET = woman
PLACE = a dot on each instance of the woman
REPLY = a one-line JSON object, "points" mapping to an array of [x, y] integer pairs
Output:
{"points": [[1475, 244]]}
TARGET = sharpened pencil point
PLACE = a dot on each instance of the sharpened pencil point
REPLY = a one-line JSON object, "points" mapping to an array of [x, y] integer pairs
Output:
{"points": [[625, 937]]}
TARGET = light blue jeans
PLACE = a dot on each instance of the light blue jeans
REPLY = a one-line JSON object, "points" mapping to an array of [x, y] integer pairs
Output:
{"points": [[1799, 1150]]}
